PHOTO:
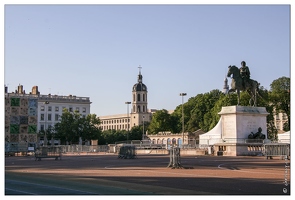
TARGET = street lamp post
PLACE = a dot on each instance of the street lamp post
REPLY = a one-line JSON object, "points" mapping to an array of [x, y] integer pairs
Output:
{"points": [[127, 102], [182, 95], [142, 127]]}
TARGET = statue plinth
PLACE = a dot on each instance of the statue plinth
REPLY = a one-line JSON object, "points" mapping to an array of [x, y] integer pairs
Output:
{"points": [[239, 121]]}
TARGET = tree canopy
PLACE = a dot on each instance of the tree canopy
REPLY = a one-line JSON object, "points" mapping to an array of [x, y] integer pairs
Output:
{"points": [[74, 126], [280, 97], [201, 111]]}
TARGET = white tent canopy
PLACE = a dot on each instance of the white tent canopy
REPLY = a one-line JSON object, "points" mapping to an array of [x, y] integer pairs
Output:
{"points": [[284, 137], [213, 136]]}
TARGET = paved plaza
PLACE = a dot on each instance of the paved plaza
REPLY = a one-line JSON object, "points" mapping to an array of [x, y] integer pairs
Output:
{"points": [[105, 174]]}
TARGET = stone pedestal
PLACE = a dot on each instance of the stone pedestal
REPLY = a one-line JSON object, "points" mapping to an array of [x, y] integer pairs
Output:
{"points": [[237, 123]]}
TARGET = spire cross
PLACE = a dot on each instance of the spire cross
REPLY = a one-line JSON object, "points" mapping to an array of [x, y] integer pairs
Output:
{"points": [[139, 69]]}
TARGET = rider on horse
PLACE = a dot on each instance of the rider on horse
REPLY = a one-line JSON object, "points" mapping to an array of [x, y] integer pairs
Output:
{"points": [[245, 74]]}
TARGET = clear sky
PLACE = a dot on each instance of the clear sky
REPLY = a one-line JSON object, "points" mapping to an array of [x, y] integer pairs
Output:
{"points": [[95, 50]]}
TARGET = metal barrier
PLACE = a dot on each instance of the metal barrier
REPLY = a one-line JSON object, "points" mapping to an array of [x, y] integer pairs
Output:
{"points": [[15, 148], [48, 152], [277, 149], [127, 151], [22, 148], [174, 153], [84, 148]]}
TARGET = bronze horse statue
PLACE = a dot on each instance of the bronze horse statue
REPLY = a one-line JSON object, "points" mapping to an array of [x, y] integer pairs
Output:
{"points": [[237, 84]]}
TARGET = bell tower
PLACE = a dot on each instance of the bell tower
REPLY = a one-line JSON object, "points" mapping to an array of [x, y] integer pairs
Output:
{"points": [[139, 111], [225, 86]]}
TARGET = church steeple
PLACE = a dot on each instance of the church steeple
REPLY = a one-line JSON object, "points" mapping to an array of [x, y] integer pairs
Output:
{"points": [[139, 79], [225, 86], [139, 86], [139, 94], [139, 111]]}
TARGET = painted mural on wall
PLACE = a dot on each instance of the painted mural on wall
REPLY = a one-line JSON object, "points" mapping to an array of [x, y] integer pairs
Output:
{"points": [[21, 125]]}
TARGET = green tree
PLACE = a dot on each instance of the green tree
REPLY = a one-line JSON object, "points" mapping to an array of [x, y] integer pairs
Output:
{"points": [[112, 136], [176, 116], [88, 127], [280, 97], [160, 122], [264, 101], [73, 126], [48, 133], [176, 120], [136, 132], [200, 114]]}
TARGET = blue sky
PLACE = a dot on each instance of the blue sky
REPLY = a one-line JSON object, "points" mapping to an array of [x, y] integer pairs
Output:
{"points": [[95, 50]]}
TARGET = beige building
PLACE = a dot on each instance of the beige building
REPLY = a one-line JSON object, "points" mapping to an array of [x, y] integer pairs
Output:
{"points": [[139, 114], [280, 120], [167, 138]]}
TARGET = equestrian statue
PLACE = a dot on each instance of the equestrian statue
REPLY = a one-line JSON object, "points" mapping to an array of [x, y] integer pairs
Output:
{"points": [[241, 82]]}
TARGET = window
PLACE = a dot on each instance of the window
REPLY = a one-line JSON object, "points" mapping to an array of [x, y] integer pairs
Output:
{"points": [[63, 108], [83, 109], [133, 97], [78, 109], [56, 108], [138, 97], [56, 117], [42, 117], [42, 127], [42, 108], [49, 117], [143, 97], [49, 108], [143, 109], [70, 109], [221, 148]]}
